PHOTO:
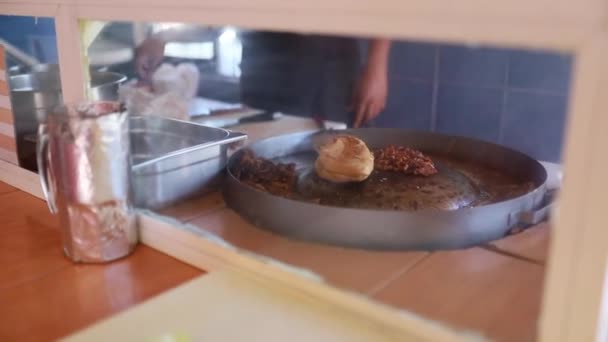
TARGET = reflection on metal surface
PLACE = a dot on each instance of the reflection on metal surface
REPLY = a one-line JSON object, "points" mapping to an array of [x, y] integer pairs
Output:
{"points": [[36, 90], [174, 160]]}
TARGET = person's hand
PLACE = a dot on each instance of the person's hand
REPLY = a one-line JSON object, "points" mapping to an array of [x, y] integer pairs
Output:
{"points": [[148, 57], [370, 95]]}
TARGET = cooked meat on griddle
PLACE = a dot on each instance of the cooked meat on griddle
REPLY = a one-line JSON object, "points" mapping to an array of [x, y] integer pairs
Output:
{"points": [[275, 178], [405, 160]]}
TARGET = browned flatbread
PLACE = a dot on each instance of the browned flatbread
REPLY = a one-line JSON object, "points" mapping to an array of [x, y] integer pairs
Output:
{"points": [[344, 158]]}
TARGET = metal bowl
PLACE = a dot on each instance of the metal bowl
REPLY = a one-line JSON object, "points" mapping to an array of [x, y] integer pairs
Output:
{"points": [[44, 79], [36, 92]]}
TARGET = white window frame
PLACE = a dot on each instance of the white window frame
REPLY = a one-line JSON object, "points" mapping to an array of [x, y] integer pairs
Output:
{"points": [[574, 303]]}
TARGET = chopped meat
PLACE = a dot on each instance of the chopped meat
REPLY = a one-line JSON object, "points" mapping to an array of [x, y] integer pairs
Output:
{"points": [[405, 160], [262, 174]]}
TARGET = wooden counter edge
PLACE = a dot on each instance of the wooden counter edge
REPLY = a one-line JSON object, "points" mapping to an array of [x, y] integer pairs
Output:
{"points": [[21, 178]]}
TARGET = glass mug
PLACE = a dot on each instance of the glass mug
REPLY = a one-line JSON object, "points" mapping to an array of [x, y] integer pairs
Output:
{"points": [[84, 163]]}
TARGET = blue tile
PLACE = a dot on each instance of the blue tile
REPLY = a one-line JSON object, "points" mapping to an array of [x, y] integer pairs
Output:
{"points": [[540, 70], [48, 48], [408, 106], [17, 30], [469, 111], [473, 66], [534, 124], [412, 60]]}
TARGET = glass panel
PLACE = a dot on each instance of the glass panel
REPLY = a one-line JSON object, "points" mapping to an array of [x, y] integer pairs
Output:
{"points": [[31, 59], [484, 115]]}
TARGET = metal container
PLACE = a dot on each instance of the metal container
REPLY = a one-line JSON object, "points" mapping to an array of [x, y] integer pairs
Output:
{"points": [[174, 160], [84, 162], [34, 93], [391, 229]]}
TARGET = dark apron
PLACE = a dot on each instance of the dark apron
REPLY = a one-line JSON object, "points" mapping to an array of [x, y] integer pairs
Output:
{"points": [[304, 75]]}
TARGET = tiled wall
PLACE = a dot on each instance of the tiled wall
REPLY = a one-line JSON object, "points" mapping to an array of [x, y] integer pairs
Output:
{"points": [[35, 36], [512, 97]]}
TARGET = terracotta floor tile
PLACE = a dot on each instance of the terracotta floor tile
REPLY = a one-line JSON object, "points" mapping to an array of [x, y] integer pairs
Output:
{"points": [[29, 252], [25, 226], [76, 296], [473, 289], [4, 188], [532, 243], [44, 296], [30, 241], [354, 269], [232, 228], [193, 208], [19, 206]]}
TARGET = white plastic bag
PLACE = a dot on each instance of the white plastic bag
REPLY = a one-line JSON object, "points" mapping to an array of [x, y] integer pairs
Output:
{"points": [[173, 88]]}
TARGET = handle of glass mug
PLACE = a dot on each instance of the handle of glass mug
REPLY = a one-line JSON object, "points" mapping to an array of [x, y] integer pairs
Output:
{"points": [[42, 158]]}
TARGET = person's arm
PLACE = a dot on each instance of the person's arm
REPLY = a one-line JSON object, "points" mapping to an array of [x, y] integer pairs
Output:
{"points": [[150, 53], [148, 57], [371, 90]]}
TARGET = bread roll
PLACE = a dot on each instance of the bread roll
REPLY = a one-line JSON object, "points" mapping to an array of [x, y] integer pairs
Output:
{"points": [[344, 158]]}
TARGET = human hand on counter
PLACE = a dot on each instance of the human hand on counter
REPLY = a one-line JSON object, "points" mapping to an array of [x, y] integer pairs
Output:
{"points": [[370, 95], [148, 57]]}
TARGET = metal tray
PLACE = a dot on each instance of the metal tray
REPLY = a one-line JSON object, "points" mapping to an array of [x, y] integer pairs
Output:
{"points": [[426, 229], [174, 160]]}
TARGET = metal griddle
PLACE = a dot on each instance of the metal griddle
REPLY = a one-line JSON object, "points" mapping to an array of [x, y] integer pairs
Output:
{"points": [[481, 191]]}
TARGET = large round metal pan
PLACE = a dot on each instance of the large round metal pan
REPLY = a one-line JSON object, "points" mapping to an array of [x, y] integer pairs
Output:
{"points": [[426, 229]]}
